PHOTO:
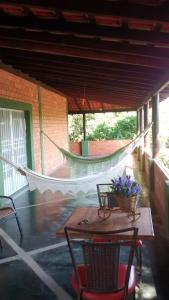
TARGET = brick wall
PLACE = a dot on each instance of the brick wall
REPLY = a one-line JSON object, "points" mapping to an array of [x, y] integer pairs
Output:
{"points": [[99, 147], [106, 147], [159, 189], [54, 117], [147, 168], [75, 147], [54, 113], [159, 178], [158, 193]]}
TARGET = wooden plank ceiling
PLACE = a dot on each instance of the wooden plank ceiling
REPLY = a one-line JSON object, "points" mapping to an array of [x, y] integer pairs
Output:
{"points": [[104, 55]]}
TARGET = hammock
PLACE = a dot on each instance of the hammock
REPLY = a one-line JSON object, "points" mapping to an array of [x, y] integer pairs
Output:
{"points": [[84, 166], [80, 184]]}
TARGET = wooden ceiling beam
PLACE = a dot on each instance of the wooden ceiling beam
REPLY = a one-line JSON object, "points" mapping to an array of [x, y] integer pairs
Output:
{"points": [[94, 84], [81, 75], [79, 62], [158, 13], [117, 101], [11, 56], [85, 30], [93, 111], [89, 105], [77, 104], [84, 43], [77, 91], [34, 66], [72, 84], [156, 63]]}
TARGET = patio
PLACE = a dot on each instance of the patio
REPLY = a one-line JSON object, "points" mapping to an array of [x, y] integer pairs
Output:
{"points": [[76, 57], [41, 215]]}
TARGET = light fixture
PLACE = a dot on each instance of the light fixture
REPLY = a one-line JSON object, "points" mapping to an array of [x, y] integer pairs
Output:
{"points": [[84, 95]]}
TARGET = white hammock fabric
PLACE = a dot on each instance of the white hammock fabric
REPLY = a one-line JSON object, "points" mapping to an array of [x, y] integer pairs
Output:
{"points": [[80, 184], [83, 184]]}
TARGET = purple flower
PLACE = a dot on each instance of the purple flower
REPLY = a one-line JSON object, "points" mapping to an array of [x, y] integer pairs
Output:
{"points": [[126, 186]]}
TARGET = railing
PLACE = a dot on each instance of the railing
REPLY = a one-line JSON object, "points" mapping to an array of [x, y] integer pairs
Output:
{"points": [[98, 147], [158, 179]]}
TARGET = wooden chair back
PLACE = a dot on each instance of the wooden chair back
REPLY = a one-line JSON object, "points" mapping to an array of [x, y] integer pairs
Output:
{"points": [[101, 260]]}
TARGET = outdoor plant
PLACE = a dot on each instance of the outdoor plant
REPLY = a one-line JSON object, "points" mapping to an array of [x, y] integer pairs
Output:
{"points": [[126, 186]]}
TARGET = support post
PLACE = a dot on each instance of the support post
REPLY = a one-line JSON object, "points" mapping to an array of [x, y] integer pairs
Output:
{"points": [[84, 127], [138, 131], [85, 149], [141, 120], [141, 130], [155, 127], [146, 109], [155, 135], [151, 174], [138, 121]]}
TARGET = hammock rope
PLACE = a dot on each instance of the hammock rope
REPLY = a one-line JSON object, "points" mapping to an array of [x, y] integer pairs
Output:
{"points": [[84, 183]]}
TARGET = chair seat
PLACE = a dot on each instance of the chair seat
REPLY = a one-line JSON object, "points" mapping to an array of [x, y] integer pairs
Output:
{"points": [[102, 240], [108, 296], [5, 211]]}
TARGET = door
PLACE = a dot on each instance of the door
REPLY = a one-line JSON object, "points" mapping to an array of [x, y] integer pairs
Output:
{"points": [[13, 147]]}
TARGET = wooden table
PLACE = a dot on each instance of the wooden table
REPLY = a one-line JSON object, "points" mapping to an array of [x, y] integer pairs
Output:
{"points": [[117, 220]]}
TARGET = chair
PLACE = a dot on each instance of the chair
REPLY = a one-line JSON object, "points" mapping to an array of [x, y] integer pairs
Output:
{"points": [[107, 199], [7, 210], [99, 272]]}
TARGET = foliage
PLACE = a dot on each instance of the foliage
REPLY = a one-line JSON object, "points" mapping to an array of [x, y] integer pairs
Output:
{"points": [[167, 142], [164, 153], [165, 160], [102, 132], [126, 186], [76, 126], [124, 128]]}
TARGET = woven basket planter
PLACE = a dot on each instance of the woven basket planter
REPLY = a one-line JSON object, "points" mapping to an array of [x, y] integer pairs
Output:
{"points": [[127, 204]]}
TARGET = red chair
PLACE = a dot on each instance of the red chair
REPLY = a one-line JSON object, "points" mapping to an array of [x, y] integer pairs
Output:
{"points": [[107, 198], [99, 273]]}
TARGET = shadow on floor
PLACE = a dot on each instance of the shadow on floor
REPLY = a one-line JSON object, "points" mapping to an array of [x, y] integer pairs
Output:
{"points": [[41, 215]]}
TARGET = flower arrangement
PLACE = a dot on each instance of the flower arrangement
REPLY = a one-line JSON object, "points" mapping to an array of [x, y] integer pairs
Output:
{"points": [[126, 186]]}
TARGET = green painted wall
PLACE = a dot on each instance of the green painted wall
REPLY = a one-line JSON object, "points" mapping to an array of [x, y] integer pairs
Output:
{"points": [[41, 127], [85, 148]]}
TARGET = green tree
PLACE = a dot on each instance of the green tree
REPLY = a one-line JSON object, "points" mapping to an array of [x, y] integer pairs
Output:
{"points": [[167, 142], [76, 126], [124, 128], [101, 132]]}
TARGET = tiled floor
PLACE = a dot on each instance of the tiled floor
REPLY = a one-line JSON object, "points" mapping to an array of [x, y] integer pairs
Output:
{"points": [[47, 276]]}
